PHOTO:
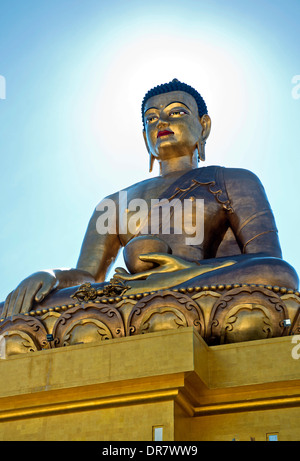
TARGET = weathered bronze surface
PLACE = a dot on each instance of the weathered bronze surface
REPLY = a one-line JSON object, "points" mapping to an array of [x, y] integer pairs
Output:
{"points": [[230, 285]]}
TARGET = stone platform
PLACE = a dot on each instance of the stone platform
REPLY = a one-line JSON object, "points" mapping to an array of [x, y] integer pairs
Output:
{"points": [[124, 389]]}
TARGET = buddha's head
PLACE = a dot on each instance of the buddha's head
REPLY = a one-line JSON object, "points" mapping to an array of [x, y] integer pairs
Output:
{"points": [[176, 122]]}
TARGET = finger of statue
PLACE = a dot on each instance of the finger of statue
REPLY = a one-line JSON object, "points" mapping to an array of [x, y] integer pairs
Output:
{"points": [[19, 301], [137, 276], [6, 304], [166, 263], [170, 262], [12, 301], [121, 270], [43, 289], [159, 258], [28, 298]]}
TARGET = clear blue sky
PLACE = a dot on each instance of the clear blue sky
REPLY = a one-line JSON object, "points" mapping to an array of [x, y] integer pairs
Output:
{"points": [[70, 126]]}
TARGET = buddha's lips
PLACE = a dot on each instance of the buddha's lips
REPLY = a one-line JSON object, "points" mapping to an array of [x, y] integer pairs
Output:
{"points": [[164, 133]]}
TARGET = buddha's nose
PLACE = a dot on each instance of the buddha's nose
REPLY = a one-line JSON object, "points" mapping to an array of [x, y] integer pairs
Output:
{"points": [[162, 123]]}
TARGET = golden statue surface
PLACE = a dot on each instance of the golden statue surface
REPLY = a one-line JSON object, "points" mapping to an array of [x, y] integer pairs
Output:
{"points": [[200, 245]]}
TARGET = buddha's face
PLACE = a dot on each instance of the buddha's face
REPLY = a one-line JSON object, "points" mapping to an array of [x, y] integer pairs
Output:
{"points": [[172, 125]]}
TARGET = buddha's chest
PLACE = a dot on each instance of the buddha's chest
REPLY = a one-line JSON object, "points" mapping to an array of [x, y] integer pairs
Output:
{"points": [[180, 212]]}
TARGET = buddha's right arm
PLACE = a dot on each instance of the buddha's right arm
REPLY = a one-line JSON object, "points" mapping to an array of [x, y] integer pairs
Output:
{"points": [[97, 254], [37, 286], [101, 243]]}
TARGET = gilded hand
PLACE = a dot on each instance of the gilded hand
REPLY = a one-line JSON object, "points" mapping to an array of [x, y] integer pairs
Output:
{"points": [[34, 288], [171, 271], [166, 263]]}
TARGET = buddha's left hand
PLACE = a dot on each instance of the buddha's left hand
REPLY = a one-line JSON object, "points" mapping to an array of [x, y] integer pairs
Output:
{"points": [[171, 271]]}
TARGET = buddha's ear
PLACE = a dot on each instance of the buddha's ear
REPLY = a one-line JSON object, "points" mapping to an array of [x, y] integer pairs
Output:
{"points": [[206, 125], [145, 139], [205, 121], [151, 157]]}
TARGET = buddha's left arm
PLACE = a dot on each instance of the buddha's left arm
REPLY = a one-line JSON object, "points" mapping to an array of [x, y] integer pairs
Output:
{"points": [[251, 219]]}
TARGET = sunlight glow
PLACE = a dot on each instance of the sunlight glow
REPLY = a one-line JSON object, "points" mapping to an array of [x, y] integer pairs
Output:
{"points": [[71, 128]]}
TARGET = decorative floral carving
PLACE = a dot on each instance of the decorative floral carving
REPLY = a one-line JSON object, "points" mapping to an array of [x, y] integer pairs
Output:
{"points": [[23, 334], [17, 342], [220, 314], [246, 313], [88, 323], [165, 310], [85, 293]]}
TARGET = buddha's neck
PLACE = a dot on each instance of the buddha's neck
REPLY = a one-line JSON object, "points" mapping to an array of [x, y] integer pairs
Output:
{"points": [[176, 165]]}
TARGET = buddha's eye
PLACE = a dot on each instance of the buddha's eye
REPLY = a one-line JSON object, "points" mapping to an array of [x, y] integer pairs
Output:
{"points": [[151, 119], [177, 113]]}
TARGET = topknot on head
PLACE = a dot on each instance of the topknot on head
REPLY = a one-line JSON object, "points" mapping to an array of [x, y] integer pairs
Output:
{"points": [[176, 85]]}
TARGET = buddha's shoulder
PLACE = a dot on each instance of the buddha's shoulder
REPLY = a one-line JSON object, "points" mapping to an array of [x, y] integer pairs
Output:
{"points": [[231, 174], [238, 175], [135, 189]]}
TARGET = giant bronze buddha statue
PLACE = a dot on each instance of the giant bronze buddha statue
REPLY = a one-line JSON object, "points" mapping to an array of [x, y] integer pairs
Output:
{"points": [[238, 245]]}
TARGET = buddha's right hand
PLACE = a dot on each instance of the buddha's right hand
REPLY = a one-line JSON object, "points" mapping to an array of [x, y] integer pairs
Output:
{"points": [[34, 288]]}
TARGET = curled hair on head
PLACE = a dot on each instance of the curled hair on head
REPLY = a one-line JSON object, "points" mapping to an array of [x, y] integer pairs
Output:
{"points": [[175, 85]]}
